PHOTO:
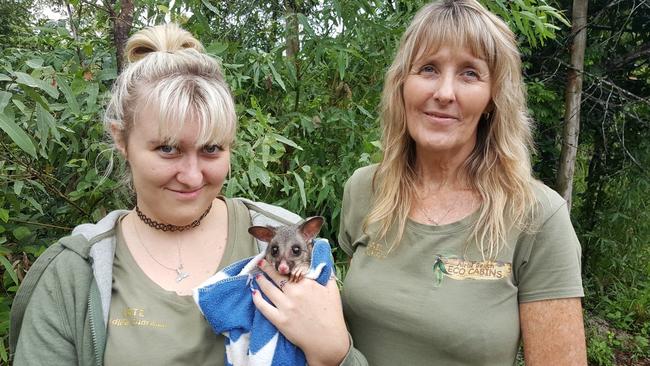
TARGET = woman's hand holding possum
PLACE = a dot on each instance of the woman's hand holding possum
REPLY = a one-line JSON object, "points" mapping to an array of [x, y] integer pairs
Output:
{"points": [[308, 314]]}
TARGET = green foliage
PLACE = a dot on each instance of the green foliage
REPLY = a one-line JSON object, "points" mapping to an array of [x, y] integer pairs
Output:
{"points": [[53, 156], [608, 345], [610, 202], [534, 20]]}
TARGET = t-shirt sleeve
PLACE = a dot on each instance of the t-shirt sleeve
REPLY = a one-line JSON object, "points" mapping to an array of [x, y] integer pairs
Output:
{"points": [[345, 236], [549, 260]]}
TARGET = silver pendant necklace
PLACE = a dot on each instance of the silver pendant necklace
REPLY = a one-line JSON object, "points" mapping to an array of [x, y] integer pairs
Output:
{"points": [[180, 274]]}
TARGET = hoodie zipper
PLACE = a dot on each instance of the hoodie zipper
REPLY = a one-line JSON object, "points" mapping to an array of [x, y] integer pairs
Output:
{"points": [[93, 331]]}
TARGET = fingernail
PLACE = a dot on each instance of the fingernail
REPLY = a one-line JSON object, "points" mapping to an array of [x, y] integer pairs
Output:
{"points": [[254, 291], [260, 263], [258, 276]]}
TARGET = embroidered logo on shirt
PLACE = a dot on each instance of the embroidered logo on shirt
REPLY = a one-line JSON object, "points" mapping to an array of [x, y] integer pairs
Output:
{"points": [[376, 250], [460, 269], [134, 317]]}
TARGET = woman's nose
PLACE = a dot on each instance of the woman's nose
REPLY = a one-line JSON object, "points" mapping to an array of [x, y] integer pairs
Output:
{"points": [[189, 171], [445, 89]]}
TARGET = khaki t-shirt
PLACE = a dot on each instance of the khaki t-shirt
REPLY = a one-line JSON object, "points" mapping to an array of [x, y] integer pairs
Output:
{"points": [[432, 300], [148, 325]]}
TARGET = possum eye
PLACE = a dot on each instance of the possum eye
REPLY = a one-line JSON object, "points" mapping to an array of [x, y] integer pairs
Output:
{"points": [[296, 250], [275, 250]]}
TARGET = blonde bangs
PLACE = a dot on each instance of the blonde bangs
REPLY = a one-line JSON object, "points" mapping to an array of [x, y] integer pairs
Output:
{"points": [[450, 26], [182, 99]]}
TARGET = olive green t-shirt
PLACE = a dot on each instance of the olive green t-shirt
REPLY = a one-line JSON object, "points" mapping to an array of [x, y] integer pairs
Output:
{"points": [[148, 325], [433, 300]]}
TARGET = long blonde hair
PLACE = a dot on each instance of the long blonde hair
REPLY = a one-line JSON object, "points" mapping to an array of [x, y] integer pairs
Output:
{"points": [[169, 71], [499, 167]]}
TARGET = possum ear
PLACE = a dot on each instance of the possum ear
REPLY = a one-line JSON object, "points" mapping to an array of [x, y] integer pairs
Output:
{"points": [[263, 233], [310, 228]]}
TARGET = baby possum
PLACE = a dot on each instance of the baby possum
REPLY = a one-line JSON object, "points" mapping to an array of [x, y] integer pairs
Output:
{"points": [[290, 246]]}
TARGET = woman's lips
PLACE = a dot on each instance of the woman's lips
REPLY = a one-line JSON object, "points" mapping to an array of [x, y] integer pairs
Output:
{"points": [[441, 117], [187, 193]]}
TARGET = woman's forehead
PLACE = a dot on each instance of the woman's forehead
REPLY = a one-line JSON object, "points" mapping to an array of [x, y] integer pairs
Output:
{"points": [[450, 32], [153, 125], [455, 51]]}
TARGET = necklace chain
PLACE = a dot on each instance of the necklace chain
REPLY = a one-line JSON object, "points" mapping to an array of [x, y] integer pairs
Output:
{"points": [[180, 274], [426, 215], [170, 227], [430, 219]]}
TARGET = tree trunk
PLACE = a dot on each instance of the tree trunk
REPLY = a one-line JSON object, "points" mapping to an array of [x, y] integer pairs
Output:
{"points": [[293, 43], [122, 23], [573, 97]]}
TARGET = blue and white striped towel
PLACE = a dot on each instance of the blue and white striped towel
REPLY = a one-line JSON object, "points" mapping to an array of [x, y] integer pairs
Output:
{"points": [[251, 340]]}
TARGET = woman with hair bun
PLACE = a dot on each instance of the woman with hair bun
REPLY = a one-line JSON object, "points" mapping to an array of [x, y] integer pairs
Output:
{"points": [[118, 292], [458, 254]]}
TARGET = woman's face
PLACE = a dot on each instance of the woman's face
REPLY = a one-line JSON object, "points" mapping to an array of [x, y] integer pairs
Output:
{"points": [[174, 184], [444, 97]]}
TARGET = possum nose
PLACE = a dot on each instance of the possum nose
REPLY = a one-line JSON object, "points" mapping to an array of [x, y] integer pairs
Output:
{"points": [[283, 268]]}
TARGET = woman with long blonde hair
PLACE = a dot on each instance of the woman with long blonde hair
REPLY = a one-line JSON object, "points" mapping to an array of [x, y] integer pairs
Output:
{"points": [[457, 252]]}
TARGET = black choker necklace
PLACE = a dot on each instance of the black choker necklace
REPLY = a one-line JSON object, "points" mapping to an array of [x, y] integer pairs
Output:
{"points": [[169, 227]]}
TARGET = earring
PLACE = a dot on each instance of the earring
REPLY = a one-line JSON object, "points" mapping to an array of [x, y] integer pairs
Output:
{"points": [[487, 116]]}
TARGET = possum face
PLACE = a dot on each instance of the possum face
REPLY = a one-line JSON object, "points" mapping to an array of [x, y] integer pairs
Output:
{"points": [[290, 245], [285, 253]]}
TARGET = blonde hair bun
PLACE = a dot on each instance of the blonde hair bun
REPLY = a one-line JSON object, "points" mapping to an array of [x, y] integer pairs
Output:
{"points": [[169, 38]]}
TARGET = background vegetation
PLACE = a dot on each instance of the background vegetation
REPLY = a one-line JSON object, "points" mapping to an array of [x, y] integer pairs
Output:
{"points": [[307, 77]]}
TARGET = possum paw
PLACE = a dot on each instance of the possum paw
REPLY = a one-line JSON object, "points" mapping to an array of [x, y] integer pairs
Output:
{"points": [[298, 272]]}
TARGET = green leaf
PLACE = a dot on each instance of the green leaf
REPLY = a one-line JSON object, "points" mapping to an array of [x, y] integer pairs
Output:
{"points": [[277, 77], [210, 6], [17, 134], [21, 232], [35, 63], [46, 124], [9, 268], [22, 78], [4, 214], [21, 106], [305, 25], [5, 97], [266, 152], [107, 74], [217, 48], [33, 95], [257, 173], [342, 63], [35, 204], [18, 187], [43, 129], [301, 187], [364, 111], [92, 90], [69, 96], [4, 77], [286, 141]]}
